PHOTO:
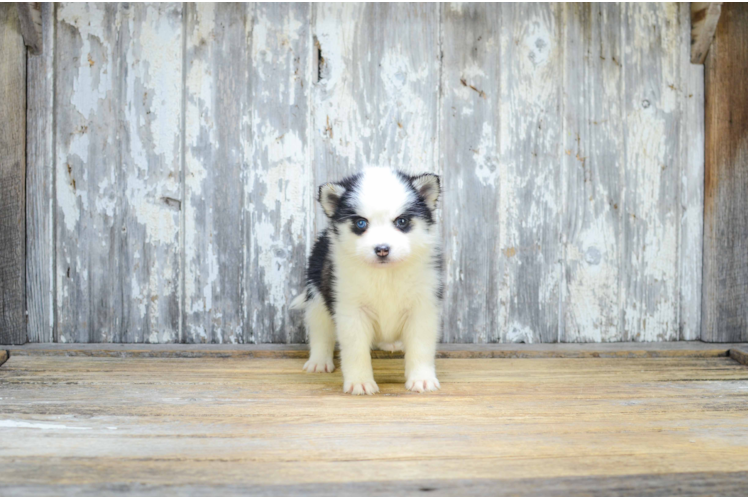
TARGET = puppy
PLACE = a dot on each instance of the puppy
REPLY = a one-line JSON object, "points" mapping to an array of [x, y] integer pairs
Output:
{"points": [[374, 277]]}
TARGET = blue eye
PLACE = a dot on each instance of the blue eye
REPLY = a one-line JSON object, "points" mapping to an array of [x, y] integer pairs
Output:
{"points": [[361, 223], [401, 222]]}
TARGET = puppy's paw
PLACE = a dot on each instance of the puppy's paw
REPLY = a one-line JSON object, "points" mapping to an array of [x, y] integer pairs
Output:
{"points": [[319, 365], [423, 384], [367, 387]]}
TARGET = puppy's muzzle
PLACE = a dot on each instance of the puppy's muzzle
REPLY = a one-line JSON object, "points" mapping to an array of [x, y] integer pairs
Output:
{"points": [[382, 251]]}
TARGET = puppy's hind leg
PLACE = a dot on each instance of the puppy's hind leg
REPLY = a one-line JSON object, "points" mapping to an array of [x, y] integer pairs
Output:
{"points": [[321, 330]]}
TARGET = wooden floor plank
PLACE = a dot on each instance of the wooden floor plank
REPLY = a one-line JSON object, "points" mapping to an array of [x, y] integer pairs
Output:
{"points": [[496, 350], [144, 426]]}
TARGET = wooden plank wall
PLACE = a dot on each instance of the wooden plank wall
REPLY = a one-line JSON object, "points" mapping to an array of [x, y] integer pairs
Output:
{"points": [[726, 187], [12, 178], [189, 140]]}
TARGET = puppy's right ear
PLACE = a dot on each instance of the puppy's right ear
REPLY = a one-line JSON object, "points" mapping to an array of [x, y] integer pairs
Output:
{"points": [[329, 197]]}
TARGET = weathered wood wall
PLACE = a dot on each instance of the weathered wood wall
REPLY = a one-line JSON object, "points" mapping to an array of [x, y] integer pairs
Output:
{"points": [[726, 188], [189, 140], [12, 178]]}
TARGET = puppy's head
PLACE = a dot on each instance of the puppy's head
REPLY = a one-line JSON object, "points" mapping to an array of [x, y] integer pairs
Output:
{"points": [[382, 216]]}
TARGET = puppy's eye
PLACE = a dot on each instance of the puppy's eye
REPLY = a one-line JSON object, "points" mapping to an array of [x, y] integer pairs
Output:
{"points": [[401, 222], [362, 223]]}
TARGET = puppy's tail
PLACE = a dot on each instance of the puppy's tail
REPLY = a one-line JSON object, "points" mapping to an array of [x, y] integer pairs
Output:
{"points": [[299, 302]]}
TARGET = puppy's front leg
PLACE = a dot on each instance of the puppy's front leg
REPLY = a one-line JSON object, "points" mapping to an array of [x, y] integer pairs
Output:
{"points": [[355, 333], [420, 335]]}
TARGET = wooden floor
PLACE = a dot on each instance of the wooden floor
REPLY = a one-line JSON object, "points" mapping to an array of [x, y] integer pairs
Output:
{"points": [[239, 425]]}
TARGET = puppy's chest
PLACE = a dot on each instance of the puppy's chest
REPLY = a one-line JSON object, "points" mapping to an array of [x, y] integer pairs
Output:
{"points": [[386, 299]]}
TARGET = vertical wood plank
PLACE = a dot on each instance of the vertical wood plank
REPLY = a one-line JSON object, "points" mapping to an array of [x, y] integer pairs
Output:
{"points": [[88, 215], [279, 184], [150, 162], [30, 17], [12, 178], [725, 287], [593, 148], [692, 185], [376, 98], [217, 95], [118, 172], [650, 202], [530, 194], [476, 292], [40, 194]]}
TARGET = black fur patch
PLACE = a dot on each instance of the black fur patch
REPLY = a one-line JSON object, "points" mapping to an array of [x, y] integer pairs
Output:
{"points": [[345, 209], [417, 209], [437, 261], [321, 274]]}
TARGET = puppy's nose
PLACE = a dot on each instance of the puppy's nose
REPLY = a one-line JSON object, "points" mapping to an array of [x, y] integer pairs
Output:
{"points": [[382, 250]]}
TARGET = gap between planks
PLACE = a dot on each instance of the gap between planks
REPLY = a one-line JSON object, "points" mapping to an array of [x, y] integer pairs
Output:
{"points": [[738, 352]]}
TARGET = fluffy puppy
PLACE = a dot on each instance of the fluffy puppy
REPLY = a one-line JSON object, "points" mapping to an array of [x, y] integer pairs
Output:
{"points": [[374, 277]]}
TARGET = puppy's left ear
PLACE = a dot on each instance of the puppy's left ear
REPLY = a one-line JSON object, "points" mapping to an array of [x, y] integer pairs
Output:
{"points": [[429, 187]]}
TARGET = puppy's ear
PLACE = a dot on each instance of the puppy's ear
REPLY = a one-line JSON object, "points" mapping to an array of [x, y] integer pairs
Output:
{"points": [[429, 187], [329, 197]]}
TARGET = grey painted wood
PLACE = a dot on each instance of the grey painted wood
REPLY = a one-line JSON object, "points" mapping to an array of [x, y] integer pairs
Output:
{"points": [[649, 264], [530, 159], [190, 141], [691, 145], [88, 177], [593, 164], [501, 160], [12, 178], [150, 160], [279, 183], [376, 99], [40, 194], [118, 172], [470, 124], [30, 17], [216, 105], [725, 287]]}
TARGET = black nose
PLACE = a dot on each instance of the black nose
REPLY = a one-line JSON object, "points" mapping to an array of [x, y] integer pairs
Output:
{"points": [[382, 250]]}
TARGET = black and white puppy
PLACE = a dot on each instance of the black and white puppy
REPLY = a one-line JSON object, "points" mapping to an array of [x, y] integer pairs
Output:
{"points": [[374, 277]]}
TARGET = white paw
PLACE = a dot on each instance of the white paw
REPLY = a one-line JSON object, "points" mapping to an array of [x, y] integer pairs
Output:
{"points": [[320, 365], [392, 347], [357, 388], [423, 384]]}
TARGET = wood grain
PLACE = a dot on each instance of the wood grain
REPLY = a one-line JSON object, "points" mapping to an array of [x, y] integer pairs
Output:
{"points": [[12, 179], [241, 425], [704, 19], [30, 17], [593, 164], [279, 180], [216, 104], [476, 291], [375, 101], [739, 354], [725, 290], [118, 172], [40, 189], [149, 182], [649, 202], [690, 251], [569, 138], [472, 350]]}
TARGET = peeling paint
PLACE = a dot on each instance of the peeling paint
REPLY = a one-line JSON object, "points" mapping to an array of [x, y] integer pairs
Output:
{"points": [[571, 205]]}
